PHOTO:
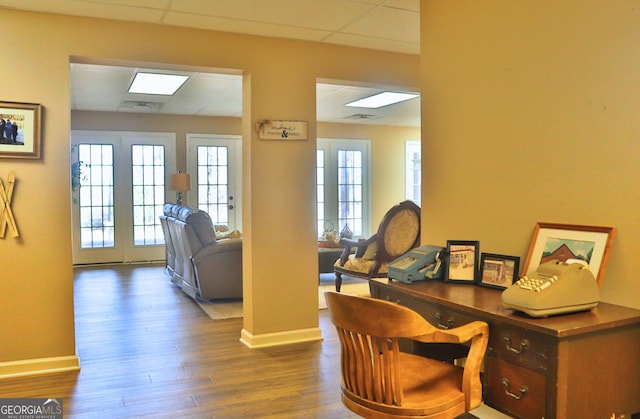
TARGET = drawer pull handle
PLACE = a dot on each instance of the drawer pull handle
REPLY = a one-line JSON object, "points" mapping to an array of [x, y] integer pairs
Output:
{"points": [[442, 325], [523, 345], [523, 390]]}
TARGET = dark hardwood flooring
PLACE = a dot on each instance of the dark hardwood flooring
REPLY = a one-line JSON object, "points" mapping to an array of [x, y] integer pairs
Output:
{"points": [[148, 350]]}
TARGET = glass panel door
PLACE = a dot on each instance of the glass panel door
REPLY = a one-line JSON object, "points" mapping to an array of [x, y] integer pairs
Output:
{"points": [[342, 186], [216, 161], [118, 189], [95, 189]]}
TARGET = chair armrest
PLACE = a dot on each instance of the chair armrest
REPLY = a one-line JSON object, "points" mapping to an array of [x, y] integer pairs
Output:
{"points": [[478, 333], [360, 245], [460, 334], [219, 246]]}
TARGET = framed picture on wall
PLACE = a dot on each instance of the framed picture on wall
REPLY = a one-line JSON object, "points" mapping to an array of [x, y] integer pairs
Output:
{"points": [[498, 271], [20, 130], [564, 242], [462, 261]]}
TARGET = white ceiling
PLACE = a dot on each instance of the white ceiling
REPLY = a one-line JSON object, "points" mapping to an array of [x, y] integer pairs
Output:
{"points": [[391, 25]]}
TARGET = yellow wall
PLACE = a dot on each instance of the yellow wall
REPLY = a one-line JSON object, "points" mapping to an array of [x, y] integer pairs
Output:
{"points": [[387, 144], [530, 114], [387, 160], [180, 124], [36, 288]]}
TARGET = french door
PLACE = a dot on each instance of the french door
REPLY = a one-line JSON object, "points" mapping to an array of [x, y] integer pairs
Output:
{"points": [[342, 186], [215, 165], [119, 183]]}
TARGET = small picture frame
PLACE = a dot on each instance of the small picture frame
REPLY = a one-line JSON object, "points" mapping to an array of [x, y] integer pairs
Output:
{"points": [[20, 126], [462, 261], [498, 271]]}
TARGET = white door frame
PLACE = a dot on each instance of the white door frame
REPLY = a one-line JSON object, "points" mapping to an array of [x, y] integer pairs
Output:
{"points": [[124, 249], [234, 147]]}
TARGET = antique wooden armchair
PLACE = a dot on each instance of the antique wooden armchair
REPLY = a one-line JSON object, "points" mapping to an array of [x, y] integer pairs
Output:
{"points": [[398, 233], [379, 381]]}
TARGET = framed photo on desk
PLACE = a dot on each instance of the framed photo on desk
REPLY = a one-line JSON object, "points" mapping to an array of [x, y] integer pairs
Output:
{"points": [[498, 271], [462, 261]]}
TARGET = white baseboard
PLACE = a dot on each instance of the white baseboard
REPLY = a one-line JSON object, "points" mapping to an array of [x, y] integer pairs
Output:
{"points": [[279, 338], [28, 367]]}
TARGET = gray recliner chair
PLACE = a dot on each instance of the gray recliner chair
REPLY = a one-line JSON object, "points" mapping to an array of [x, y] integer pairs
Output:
{"points": [[204, 267]]}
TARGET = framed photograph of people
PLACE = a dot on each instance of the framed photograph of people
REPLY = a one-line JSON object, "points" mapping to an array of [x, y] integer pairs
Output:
{"points": [[498, 271], [462, 261], [20, 130], [566, 242]]}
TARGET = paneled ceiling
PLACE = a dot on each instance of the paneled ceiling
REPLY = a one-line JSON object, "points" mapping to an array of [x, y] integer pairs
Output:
{"points": [[391, 25]]}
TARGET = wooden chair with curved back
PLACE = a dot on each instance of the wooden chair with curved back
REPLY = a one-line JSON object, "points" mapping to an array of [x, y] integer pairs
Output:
{"points": [[398, 233], [379, 381]]}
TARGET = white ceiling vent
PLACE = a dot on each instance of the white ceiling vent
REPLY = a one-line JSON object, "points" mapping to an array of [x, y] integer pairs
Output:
{"points": [[137, 105], [361, 116]]}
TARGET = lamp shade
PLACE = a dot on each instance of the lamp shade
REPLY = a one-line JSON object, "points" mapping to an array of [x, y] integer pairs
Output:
{"points": [[179, 182]]}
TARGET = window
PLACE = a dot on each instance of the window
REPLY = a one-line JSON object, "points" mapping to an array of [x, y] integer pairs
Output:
{"points": [[118, 192], [147, 174], [342, 168], [215, 164], [96, 196], [213, 175], [413, 180], [323, 224], [350, 178]]}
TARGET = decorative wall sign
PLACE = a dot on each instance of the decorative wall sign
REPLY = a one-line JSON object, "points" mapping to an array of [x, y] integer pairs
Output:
{"points": [[282, 130], [20, 125], [6, 215]]}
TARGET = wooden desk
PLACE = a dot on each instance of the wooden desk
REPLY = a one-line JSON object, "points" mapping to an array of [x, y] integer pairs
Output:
{"points": [[580, 365]]}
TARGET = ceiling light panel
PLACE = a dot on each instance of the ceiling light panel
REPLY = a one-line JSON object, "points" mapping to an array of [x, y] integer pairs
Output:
{"points": [[381, 99], [157, 84]]}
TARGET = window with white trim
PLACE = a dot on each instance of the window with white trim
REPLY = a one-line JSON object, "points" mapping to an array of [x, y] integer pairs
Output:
{"points": [[343, 197], [413, 177]]}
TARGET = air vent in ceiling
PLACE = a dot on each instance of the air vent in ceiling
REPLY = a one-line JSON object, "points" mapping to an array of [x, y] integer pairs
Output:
{"points": [[361, 116], [141, 105]]}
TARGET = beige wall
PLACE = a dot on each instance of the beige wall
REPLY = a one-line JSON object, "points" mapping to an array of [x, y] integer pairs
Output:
{"points": [[387, 144], [36, 289], [180, 124], [530, 114], [387, 160]]}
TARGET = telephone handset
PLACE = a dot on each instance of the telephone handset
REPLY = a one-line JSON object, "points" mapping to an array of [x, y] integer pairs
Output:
{"points": [[425, 262], [556, 288]]}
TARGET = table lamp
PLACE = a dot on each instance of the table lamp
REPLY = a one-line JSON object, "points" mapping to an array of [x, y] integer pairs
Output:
{"points": [[179, 182]]}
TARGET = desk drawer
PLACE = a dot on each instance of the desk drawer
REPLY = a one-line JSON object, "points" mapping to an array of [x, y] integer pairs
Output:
{"points": [[394, 297], [519, 346], [513, 389], [441, 317]]}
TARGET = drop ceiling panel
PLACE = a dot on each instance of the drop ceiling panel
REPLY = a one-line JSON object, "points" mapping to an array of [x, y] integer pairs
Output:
{"points": [[105, 9], [244, 27], [314, 14], [377, 24], [395, 24]]}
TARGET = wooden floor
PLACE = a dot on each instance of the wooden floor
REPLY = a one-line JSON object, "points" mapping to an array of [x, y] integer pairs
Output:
{"points": [[148, 350]]}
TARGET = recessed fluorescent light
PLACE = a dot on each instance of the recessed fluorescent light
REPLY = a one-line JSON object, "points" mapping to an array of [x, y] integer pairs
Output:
{"points": [[156, 84], [381, 99]]}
